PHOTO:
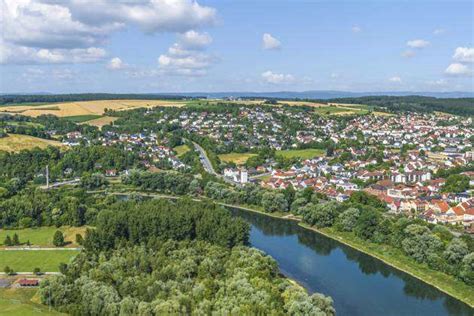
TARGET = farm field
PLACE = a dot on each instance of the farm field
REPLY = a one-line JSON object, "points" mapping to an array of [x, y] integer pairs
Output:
{"points": [[82, 118], [302, 153], [43, 236], [16, 142], [101, 121], [28, 260], [237, 158], [301, 103], [23, 302], [181, 150], [341, 110], [86, 107]]}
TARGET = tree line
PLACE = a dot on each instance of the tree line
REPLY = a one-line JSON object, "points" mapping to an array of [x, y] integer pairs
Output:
{"points": [[51, 98], [457, 106]]}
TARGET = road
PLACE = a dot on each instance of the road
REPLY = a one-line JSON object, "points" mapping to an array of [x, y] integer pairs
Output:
{"points": [[59, 184], [206, 163]]}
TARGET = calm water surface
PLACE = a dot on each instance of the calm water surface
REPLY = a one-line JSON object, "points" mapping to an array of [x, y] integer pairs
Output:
{"points": [[358, 284]]}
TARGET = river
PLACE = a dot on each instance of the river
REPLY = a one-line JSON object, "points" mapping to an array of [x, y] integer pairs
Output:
{"points": [[358, 283]]}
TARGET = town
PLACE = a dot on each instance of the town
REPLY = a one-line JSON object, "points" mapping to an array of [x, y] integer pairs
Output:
{"points": [[402, 159]]}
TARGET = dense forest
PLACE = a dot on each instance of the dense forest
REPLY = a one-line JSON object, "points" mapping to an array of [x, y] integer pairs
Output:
{"points": [[162, 258], [457, 106]]}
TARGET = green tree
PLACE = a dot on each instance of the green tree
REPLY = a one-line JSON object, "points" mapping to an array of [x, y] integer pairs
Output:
{"points": [[467, 269], [347, 220], [367, 223], [273, 202], [456, 183], [456, 251], [58, 239], [8, 241], [79, 239], [15, 240], [420, 243]]}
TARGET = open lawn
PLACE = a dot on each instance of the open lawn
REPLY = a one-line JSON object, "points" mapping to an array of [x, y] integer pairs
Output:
{"points": [[181, 150], [237, 158], [28, 260], [81, 108], [22, 302], [16, 142], [302, 153], [43, 236], [101, 121]]}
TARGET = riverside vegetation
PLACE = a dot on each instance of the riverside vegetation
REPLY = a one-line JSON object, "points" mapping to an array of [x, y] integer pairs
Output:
{"points": [[159, 257]]}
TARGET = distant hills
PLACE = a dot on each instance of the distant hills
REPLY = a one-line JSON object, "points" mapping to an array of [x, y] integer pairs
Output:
{"points": [[312, 94], [326, 94]]}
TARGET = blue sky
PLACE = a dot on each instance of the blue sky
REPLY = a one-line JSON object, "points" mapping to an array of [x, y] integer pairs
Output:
{"points": [[183, 46]]}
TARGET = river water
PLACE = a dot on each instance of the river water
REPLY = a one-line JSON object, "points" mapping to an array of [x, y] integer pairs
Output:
{"points": [[358, 283]]}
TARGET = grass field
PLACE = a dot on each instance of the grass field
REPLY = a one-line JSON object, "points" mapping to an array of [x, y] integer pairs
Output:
{"points": [[101, 121], [22, 302], [87, 107], [237, 158], [27, 260], [43, 236], [302, 153], [16, 142], [82, 118], [181, 150]]}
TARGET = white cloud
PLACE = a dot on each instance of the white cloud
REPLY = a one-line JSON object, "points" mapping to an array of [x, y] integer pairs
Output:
{"points": [[457, 69], [65, 31], [10, 54], [276, 78], [418, 43], [150, 15], [186, 57], [408, 54], [395, 79], [356, 29], [439, 31], [269, 42], [464, 54], [195, 40], [116, 64], [334, 75]]}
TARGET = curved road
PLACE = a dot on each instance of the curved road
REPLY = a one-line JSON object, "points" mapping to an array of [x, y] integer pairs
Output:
{"points": [[206, 163]]}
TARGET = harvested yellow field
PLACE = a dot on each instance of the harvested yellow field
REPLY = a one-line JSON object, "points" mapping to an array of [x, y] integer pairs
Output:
{"points": [[101, 121], [301, 103], [15, 143], [87, 107]]}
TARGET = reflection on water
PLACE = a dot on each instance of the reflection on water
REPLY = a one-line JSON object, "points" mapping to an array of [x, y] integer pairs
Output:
{"points": [[358, 283]]}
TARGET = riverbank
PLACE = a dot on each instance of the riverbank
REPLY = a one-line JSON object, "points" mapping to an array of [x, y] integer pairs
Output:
{"points": [[387, 254], [392, 257]]}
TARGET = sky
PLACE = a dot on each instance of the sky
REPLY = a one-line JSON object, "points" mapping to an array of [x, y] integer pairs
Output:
{"points": [[152, 46]]}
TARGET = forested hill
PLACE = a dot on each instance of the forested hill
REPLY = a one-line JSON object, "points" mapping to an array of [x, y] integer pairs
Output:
{"points": [[458, 106], [50, 98]]}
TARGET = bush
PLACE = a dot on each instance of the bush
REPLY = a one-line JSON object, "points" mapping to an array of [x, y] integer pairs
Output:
{"points": [[58, 239]]}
